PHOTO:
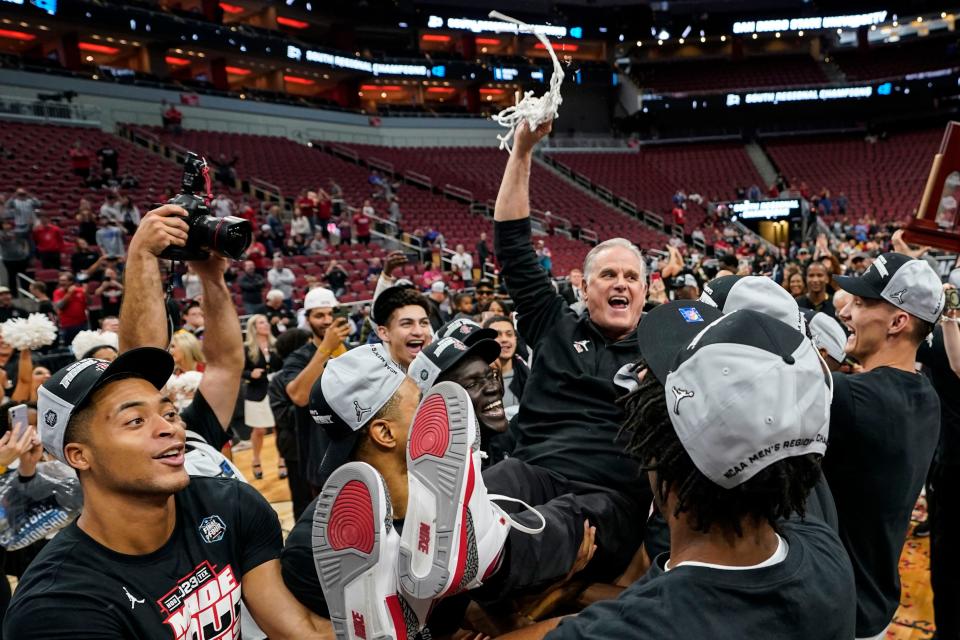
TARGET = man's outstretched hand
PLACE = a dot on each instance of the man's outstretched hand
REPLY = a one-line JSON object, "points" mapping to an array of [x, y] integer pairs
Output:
{"points": [[159, 229], [525, 140], [394, 261]]}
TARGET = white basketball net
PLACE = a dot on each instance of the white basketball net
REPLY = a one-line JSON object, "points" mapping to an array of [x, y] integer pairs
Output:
{"points": [[533, 111]]}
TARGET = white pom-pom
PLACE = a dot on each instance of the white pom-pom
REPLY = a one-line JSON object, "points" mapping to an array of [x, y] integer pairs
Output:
{"points": [[533, 111], [182, 387], [87, 340], [33, 333]]}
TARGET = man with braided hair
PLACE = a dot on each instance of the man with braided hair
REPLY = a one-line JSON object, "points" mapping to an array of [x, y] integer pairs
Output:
{"points": [[731, 453]]}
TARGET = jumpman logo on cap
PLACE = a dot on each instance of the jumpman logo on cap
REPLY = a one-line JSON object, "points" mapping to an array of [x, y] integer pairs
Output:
{"points": [[680, 394]]}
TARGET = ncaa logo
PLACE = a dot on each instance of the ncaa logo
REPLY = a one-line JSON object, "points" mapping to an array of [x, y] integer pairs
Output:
{"points": [[50, 418], [212, 529]]}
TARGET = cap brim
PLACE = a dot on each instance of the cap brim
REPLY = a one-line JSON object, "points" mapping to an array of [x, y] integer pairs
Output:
{"points": [[858, 286], [474, 337], [336, 453], [670, 327], [152, 364], [486, 348]]}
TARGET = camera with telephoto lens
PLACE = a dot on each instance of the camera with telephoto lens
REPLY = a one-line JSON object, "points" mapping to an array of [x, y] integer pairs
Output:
{"points": [[229, 236]]}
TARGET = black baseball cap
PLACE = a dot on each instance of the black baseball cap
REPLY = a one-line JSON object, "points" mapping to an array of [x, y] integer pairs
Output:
{"points": [[907, 283], [485, 282], [466, 331], [444, 354], [69, 390], [668, 328]]}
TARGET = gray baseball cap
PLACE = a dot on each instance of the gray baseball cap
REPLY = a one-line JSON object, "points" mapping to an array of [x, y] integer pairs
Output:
{"points": [[747, 391], [466, 331], [760, 293], [907, 283], [827, 334], [351, 390]]}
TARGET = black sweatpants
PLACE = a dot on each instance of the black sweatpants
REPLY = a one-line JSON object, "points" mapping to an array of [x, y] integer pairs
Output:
{"points": [[943, 504], [536, 560]]}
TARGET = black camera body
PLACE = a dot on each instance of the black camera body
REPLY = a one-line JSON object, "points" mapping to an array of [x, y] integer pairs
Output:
{"points": [[229, 236]]}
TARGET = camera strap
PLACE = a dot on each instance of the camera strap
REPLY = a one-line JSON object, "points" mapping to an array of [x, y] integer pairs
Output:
{"points": [[170, 303]]}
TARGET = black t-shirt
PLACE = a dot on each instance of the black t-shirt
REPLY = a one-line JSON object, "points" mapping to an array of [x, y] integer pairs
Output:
{"points": [[82, 260], [189, 588], [933, 355], [300, 575], [201, 419], [8, 313], [808, 595], [110, 300], [826, 306], [303, 423], [883, 431]]}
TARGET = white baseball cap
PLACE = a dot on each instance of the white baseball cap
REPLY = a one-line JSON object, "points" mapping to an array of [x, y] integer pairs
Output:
{"points": [[438, 287], [352, 389], [760, 293], [319, 298]]}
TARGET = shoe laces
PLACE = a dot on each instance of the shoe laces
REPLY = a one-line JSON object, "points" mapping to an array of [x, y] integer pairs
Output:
{"points": [[513, 523]]}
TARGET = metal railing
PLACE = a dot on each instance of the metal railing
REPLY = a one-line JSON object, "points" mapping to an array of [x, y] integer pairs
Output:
{"points": [[47, 110]]}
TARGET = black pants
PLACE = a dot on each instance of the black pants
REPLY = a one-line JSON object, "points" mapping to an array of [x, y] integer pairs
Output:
{"points": [[13, 268], [364, 240], [534, 561], [300, 492], [943, 503], [49, 259]]}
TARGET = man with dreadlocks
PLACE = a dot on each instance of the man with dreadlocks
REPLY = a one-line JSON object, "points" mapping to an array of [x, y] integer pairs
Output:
{"points": [[730, 421]]}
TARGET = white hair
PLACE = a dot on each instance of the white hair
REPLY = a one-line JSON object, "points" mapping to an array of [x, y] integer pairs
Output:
{"points": [[611, 244], [274, 293]]}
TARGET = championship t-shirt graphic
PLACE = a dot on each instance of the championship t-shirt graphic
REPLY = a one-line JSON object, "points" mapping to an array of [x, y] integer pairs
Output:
{"points": [[204, 605]]}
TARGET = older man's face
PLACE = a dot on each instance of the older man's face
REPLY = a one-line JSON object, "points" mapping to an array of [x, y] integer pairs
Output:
{"points": [[616, 291]]}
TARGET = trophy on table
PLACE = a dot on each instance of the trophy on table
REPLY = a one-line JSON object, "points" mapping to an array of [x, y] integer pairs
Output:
{"points": [[937, 224]]}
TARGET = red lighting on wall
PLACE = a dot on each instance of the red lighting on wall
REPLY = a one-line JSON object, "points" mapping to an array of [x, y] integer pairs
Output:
{"points": [[488, 41], [177, 62], [434, 37], [380, 87], [231, 8], [238, 71], [558, 47], [492, 92], [293, 24], [298, 80], [440, 89], [17, 35], [97, 48]]}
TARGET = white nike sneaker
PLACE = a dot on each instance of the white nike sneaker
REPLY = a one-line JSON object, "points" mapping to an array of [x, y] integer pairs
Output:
{"points": [[453, 535], [355, 552]]}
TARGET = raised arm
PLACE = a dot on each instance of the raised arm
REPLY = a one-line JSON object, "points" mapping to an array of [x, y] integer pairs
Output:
{"points": [[513, 199], [222, 340], [143, 314], [951, 336], [24, 391]]}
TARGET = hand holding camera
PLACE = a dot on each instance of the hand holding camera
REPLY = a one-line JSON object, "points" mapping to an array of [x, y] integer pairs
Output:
{"points": [[196, 234]]}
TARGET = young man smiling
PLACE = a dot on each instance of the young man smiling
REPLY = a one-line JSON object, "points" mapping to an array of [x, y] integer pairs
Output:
{"points": [[401, 314], [884, 425], [154, 554]]}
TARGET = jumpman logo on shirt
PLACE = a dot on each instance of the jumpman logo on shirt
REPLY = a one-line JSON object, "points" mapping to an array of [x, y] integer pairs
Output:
{"points": [[133, 600]]}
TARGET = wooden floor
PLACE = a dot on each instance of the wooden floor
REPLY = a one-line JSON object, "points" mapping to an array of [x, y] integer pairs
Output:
{"points": [[914, 619]]}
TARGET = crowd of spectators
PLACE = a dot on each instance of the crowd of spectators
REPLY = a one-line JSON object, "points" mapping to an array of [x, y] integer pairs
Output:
{"points": [[679, 429]]}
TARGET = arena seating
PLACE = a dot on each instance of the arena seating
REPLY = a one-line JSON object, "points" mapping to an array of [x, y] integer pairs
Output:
{"points": [[480, 171], [41, 165], [894, 61], [884, 179], [292, 166], [723, 74], [649, 177]]}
